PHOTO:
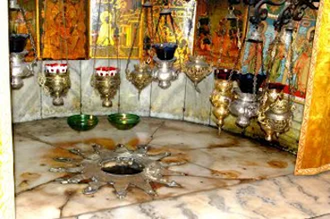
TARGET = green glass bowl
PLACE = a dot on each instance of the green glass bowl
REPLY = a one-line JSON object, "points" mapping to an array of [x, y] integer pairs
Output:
{"points": [[123, 121], [82, 122]]}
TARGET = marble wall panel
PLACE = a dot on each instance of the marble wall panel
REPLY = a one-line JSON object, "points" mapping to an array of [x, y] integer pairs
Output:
{"points": [[91, 101], [71, 100], [154, 101], [26, 102], [169, 103], [197, 104], [130, 101]]}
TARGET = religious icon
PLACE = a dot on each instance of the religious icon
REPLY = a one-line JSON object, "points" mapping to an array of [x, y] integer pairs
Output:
{"points": [[301, 66]]}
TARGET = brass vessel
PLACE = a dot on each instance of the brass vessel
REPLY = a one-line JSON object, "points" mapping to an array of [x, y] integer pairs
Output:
{"points": [[197, 69], [106, 80], [275, 114], [56, 82], [221, 98], [140, 77]]}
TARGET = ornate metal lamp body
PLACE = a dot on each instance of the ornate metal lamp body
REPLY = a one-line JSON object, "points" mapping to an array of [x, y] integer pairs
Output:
{"points": [[165, 73], [107, 81], [275, 115], [56, 82], [197, 69], [19, 69], [245, 106], [140, 77], [221, 99]]}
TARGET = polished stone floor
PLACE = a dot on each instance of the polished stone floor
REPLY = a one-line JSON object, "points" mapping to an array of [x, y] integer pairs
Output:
{"points": [[220, 176]]}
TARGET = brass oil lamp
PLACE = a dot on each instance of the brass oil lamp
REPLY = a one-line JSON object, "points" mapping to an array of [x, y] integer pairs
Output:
{"points": [[56, 81], [197, 69], [55, 78], [106, 80], [221, 96], [275, 115], [142, 75], [276, 112]]}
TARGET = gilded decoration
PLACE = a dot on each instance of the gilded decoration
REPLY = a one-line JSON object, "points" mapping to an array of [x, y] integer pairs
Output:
{"points": [[302, 47], [113, 25], [215, 35], [313, 152], [63, 29]]}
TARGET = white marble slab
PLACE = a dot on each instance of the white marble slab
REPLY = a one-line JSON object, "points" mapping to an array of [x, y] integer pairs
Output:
{"points": [[197, 104], [207, 162], [282, 197], [168, 103], [26, 102]]}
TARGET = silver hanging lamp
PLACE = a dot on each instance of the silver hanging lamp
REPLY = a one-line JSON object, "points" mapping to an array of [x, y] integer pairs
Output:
{"points": [[165, 72]]}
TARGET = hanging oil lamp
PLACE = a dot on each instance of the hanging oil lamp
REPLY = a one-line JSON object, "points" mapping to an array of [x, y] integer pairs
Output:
{"points": [[19, 69], [56, 81], [165, 51], [275, 114], [141, 76], [106, 79], [55, 78], [222, 96], [246, 101], [197, 69]]}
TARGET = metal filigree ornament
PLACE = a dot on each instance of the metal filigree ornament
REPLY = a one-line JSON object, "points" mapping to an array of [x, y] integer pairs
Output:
{"points": [[141, 76], [55, 78], [276, 113], [56, 81], [197, 69], [122, 168], [20, 69], [106, 79]]}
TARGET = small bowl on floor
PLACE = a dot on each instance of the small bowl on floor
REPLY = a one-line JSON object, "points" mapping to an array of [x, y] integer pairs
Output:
{"points": [[82, 122], [123, 121]]}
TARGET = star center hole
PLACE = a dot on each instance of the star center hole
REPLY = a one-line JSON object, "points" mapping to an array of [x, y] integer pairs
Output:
{"points": [[123, 169]]}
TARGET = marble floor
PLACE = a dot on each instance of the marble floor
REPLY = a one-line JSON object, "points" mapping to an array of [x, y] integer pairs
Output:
{"points": [[220, 176]]}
